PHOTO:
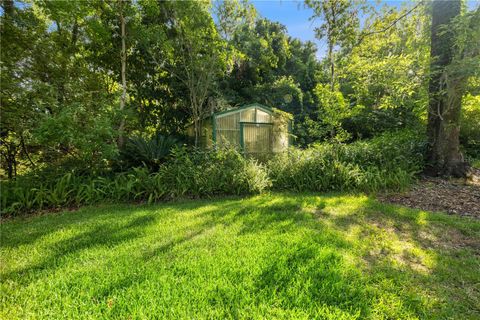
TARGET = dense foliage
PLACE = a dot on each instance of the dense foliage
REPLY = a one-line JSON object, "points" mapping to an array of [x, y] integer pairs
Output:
{"points": [[64, 115], [62, 73], [470, 126], [386, 162], [186, 174], [149, 152]]}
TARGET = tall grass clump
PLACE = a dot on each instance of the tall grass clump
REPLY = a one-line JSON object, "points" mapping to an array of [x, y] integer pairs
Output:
{"points": [[209, 173], [389, 161]]}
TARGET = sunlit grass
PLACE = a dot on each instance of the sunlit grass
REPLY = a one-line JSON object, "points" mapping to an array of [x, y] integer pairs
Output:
{"points": [[272, 256]]}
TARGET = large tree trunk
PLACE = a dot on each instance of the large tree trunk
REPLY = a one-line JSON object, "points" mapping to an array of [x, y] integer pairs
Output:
{"points": [[445, 97], [124, 79]]}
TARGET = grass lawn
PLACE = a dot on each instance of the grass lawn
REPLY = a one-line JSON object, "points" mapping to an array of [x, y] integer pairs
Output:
{"points": [[273, 256]]}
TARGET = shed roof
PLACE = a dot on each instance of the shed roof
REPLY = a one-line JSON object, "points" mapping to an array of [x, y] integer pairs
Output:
{"points": [[245, 107]]}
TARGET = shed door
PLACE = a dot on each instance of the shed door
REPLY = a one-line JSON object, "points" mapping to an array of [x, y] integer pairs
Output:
{"points": [[256, 137]]}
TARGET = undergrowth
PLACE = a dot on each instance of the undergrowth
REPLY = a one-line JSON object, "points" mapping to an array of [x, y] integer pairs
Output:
{"points": [[387, 162]]}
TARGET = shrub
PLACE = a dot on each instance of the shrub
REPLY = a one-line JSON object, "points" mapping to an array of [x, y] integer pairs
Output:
{"points": [[204, 173], [150, 152], [470, 126], [389, 161], [80, 133]]}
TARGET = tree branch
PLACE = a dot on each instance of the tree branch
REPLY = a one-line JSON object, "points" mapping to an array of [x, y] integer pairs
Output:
{"points": [[22, 143], [393, 23]]}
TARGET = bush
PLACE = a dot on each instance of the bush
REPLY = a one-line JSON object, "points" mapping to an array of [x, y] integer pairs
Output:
{"points": [[205, 173], [470, 126], [389, 161], [150, 152], [80, 133]]}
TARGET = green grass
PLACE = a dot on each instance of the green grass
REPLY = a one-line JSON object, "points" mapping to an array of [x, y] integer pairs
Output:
{"points": [[281, 256]]}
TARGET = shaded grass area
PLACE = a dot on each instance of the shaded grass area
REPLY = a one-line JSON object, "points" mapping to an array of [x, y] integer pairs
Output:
{"points": [[278, 256]]}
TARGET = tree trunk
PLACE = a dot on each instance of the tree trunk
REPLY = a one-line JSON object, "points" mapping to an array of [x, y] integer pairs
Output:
{"points": [[196, 122], [445, 97], [331, 43], [124, 80], [8, 7], [11, 160], [332, 67], [197, 129]]}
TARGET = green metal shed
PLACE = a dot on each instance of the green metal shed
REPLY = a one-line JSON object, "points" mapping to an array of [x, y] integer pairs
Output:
{"points": [[253, 129]]}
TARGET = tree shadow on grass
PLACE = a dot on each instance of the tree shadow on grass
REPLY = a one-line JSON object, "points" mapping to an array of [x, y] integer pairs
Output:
{"points": [[419, 236], [307, 277], [105, 234], [109, 225], [258, 218], [417, 250], [311, 271], [34, 228]]}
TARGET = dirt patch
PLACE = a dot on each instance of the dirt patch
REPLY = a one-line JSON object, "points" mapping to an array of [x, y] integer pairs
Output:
{"points": [[454, 196]]}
